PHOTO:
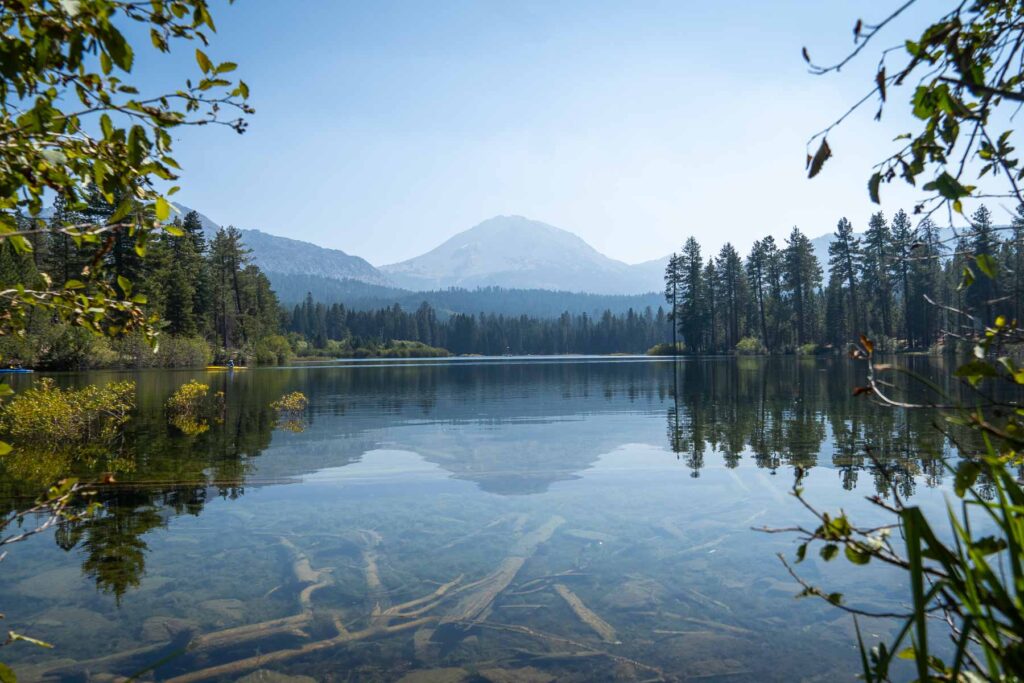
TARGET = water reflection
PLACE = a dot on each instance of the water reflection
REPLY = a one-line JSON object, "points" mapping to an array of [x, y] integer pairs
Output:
{"points": [[409, 476]]}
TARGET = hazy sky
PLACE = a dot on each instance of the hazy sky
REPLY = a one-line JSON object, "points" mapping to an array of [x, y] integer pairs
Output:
{"points": [[384, 128]]}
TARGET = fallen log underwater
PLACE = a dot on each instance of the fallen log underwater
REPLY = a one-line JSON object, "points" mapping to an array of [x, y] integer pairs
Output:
{"points": [[466, 606]]}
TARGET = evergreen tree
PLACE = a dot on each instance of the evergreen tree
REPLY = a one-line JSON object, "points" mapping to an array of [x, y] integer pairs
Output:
{"points": [[877, 269], [982, 243], [802, 279], [691, 295], [904, 237], [845, 265], [673, 283], [734, 294]]}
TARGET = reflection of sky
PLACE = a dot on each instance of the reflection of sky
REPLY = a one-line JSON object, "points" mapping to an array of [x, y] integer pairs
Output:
{"points": [[447, 473]]}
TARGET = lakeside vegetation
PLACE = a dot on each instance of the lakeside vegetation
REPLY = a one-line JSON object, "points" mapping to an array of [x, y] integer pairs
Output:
{"points": [[879, 285], [107, 265]]}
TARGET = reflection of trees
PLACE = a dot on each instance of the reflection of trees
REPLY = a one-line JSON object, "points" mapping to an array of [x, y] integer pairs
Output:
{"points": [[783, 411], [154, 473]]}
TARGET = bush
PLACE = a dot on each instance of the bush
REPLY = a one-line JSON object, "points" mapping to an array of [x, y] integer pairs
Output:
{"points": [[189, 407], [134, 351], [809, 349], [182, 352], [665, 349], [750, 346], [290, 409], [62, 347], [272, 350], [46, 415]]}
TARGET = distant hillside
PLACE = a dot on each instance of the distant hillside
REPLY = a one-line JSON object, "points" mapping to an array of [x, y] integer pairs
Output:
{"points": [[282, 255], [292, 289], [518, 253]]}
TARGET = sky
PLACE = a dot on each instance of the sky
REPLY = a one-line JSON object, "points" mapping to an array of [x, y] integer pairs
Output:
{"points": [[384, 128]]}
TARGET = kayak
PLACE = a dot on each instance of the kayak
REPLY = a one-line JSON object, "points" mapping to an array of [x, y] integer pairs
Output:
{"points": [[225, 367], [16, 370]]}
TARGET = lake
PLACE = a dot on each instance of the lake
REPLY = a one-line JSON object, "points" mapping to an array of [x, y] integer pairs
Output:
{"points": [[530, 519]]}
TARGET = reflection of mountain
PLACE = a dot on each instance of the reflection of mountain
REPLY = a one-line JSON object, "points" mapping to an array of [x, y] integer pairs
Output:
{"points": [[510, 428]]}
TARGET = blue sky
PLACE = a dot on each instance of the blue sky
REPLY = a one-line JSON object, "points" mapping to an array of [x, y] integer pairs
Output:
{"points": [[384, 128]]}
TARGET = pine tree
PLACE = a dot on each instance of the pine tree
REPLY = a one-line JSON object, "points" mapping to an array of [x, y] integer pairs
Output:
{"points": [[802, 279], [903, 239], [877, 269], [982, 245], [673, 282], [845, 264], [927, 284], [710, 307], [734, 294], [691, 294]]}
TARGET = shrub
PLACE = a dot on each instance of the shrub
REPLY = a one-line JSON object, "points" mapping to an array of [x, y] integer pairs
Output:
{"points": [[272, 350], [190, 406], [290, 409], [665, 349], [750, 346], [62, 347], [809, 349], [183, 352], [46, 415]]}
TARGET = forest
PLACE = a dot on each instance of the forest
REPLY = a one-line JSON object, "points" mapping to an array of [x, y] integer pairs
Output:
{"points": [[899, 284], [214, 304], [211, 303], [337, 328]]}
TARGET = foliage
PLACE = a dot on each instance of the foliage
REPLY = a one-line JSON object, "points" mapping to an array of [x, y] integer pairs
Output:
{"points": [[73, 123], [273, 349], [963, 68], [67, 419], [750, 346], [968, 64], [664, 349], [972, 581], [191, 407], [337, 331], [290, 409]]}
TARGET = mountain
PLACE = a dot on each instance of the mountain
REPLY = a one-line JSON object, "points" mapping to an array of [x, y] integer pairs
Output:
{"points": [[284, 256], [519, 253]]}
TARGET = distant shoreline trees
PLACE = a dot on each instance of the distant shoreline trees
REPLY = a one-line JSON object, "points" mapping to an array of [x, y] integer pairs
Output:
{"points": [[879, 285]]}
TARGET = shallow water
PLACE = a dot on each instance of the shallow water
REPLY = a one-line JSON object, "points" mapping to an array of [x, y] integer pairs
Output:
{"points": [[488, 520]]}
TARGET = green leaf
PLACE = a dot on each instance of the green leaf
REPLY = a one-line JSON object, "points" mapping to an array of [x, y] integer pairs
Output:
{"points": [[986, 264], [966, 474], [5, 448], [203, 61], [828, 552], [7, 675], [948, 186], [162, 209], [857, 556], [125, 284], [119, 49], [988, 545], [873, 183], [976, 370]]}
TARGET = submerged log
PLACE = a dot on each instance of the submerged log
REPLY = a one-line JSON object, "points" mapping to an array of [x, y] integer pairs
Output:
{"points": [[586, 615], [472, 606]]}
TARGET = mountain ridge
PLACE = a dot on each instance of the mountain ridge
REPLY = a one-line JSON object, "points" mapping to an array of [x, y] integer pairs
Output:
{"points": [[518, 252]]}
